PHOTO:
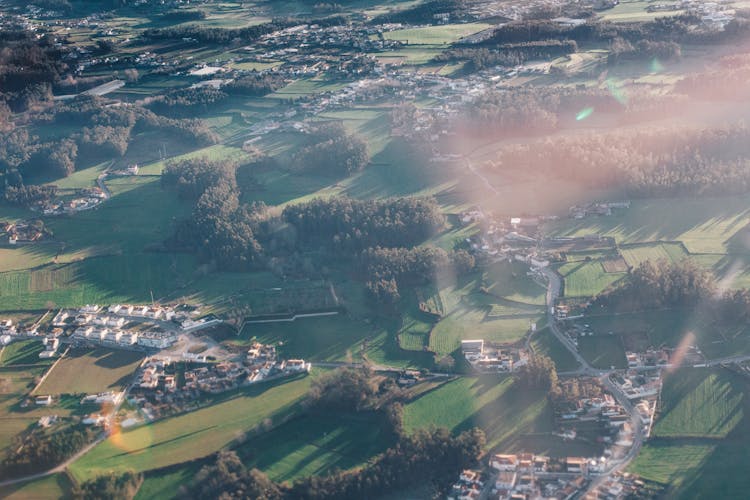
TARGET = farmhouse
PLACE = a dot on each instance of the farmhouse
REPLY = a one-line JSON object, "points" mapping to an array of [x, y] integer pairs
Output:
{"points": [[43, 400]]}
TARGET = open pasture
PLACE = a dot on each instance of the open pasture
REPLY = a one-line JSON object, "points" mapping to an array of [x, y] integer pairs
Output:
{"points": [[586, 279], [316, 445], [91, 371], [195, 434], [435, 35], [690, 466], [513, 418], [703, 225]]}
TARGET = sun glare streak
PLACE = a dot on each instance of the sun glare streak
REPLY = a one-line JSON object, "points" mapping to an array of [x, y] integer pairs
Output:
{"points": [[584, 113], [678, 356], [656, 66], [617, 91]]}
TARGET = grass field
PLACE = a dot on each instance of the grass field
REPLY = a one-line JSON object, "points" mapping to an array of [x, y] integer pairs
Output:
{"points": [[514, 419], [91, 371], [700, 403], [586, 279], [637, 254], [327, 338], [704, 225], [24, 352], [192, 435], [55, 486], [107, 279], [693, 467], [316, 445], [543, 342], [432, 35], [603, 351]]}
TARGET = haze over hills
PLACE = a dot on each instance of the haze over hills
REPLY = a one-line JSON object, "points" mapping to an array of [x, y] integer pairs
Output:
{"points": [[374, 249]]}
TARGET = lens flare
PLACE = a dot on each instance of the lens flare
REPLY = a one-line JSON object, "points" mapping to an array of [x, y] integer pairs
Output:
{"points": [[584, 113], [678, 356], [617, 91], [656, 66]]}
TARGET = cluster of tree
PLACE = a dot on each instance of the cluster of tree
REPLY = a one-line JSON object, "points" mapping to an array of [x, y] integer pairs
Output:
{"points": [[56, 158], [666, 161], [654, 285], [345, 389], [726, 82], [111, 485], [332, 151], [29, 196], [514, 54], [102, 132], [220, 229], [39, 450], [575, 388], [387, 269], [539, 373], [187, 102], [28, 67], [424, 12], [255, 84], [183, 15], [621, 50], [427, 457], [217, 35], [661, 284], [349, 226]]}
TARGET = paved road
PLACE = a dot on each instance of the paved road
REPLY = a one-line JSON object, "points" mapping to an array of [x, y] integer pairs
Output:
{"points": [[554, 285]]}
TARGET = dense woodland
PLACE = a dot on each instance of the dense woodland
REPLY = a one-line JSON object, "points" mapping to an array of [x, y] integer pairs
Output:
{"points": [[656, 162], [433, 456], [331, 150], [39, 450], [347, 225], [102, 133], [109, 486], [510, 55], [659, 285]]}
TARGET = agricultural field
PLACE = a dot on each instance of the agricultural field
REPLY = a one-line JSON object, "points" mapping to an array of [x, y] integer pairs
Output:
{"points": [[326, 338], [634, 255], [57, 485], [316, 445], [697, 467], [704, 225], [514, 419], [435, 35], [603, 351], [667, 328], [700, 404], [586, 279], [195, 434], [91, 371], [24, 352], [545, 343]]}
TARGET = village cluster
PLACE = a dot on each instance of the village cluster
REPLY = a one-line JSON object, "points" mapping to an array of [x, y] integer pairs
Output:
{"points": [[525, 475], [164, 386]]}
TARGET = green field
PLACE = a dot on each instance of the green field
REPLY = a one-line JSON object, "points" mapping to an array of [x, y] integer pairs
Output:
{"points": [[91, 371], [700, 403], [316, 445], [700, 467], [55, 486], [24, 352], [603, 351], [514, 419], [704, 225], [586, 279], [636, 254], [545, 343], [327, 338], [107, 279], [432, 35], [194, 434]]}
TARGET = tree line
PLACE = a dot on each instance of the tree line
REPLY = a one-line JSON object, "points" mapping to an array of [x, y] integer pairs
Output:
{"points": [[331, 150], [658, 161], [513, 54], [661, 284], [430, 457]]}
